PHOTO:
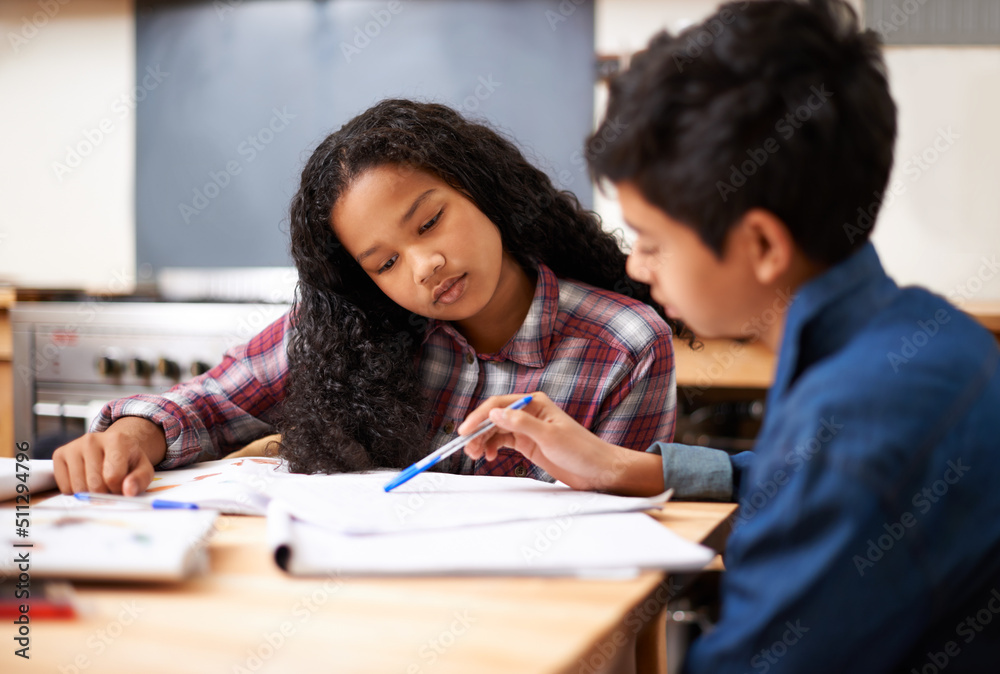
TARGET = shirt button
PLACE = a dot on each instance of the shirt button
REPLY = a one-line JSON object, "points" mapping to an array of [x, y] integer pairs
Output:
{"points": [[449, 428], [520, 471], [470, 359]]}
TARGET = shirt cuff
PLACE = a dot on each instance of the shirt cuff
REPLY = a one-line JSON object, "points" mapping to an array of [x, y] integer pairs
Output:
{"points": [[132, 407], [695, 473]]}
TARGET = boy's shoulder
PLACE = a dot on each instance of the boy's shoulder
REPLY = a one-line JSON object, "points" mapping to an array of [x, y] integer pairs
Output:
{"points": [[621, 322], [919, 339], [917, 370]]}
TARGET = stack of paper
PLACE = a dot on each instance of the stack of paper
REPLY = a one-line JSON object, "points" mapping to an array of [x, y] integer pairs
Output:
{"points": [[436, 523], [116, 545], [440, 524]]}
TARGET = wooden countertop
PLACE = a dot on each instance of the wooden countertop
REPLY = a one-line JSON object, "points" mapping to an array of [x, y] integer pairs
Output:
{"points": [[723, 363]]}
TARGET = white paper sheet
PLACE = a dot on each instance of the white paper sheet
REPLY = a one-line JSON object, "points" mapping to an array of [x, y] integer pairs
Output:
{"points": [[585, 545], [358, 504], [41, 476]]}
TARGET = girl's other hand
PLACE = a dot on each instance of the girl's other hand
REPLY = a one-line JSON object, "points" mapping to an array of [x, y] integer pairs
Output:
{"points": [[119, 460]]}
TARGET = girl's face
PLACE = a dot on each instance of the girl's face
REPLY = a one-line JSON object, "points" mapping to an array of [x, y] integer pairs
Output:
{"points": [[426, 245]]}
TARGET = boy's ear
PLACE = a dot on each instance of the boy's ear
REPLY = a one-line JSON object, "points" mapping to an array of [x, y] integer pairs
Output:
{"points": [[770, 247]]}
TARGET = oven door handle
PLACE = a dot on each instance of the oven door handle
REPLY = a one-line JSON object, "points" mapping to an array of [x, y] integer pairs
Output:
{"points": [[69, 410]]}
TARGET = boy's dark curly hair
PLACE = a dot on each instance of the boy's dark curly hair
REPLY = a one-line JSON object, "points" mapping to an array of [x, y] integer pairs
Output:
{"points": [[782, 105], [353, 399]]}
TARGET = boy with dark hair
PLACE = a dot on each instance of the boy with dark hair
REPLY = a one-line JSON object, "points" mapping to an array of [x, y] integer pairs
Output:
{"points": [[868, 537]]}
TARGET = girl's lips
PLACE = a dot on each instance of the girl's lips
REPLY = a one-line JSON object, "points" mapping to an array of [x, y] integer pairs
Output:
{"points": [[451, 290]]}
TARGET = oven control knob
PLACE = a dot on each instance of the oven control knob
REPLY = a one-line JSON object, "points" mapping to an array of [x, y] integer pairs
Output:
{"points": [[140, 368], [198, 367], [168, 368], [109, 367]]}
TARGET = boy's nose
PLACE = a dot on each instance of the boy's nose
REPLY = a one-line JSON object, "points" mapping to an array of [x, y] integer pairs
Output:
{"points": [[635, 269]]}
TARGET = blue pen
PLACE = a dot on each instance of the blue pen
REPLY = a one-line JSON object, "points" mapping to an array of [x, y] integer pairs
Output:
{"points": [[156, 504], [447, 450]]}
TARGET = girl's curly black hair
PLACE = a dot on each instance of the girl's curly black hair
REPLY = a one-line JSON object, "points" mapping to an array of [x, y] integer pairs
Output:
{"points": [[353, 399]]}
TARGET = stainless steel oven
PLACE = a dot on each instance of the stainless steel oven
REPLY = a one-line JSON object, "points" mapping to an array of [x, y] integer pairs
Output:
{"points": [[72, 357]]}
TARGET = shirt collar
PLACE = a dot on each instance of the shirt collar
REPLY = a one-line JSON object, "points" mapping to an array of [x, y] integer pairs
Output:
{"points": [[828, 311], [531, 342]]}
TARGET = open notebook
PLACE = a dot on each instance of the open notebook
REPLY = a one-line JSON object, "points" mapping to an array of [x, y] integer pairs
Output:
{"points": [[232, 486]]}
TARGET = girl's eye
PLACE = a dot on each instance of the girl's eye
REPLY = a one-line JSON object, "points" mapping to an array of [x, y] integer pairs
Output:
{"points": [[430, 223], [388, 264]]}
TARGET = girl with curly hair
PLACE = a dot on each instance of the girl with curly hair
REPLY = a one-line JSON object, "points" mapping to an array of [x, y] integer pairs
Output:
{"points": [[437, 267]]}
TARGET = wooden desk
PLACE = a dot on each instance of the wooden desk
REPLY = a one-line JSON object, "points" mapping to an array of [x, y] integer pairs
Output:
{"points": [[723, 363], [248, 616]]}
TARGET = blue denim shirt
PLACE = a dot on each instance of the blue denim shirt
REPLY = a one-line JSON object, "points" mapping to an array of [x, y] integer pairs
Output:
{"points": [[868, 533]]}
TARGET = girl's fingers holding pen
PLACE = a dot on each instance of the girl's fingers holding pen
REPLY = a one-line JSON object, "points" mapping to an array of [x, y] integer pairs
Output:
{"points": [[475, 447], [478, 415]]}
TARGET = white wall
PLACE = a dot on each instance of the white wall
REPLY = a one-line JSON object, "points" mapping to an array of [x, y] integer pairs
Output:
{"points": [[67, 70], [943, 230], [68, 73]]}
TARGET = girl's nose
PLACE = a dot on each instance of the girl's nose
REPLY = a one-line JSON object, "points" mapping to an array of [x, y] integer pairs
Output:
{"points": [[425, 265]]}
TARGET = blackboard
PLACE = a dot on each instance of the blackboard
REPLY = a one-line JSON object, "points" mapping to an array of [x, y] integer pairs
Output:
{"points": [[232, 96]]}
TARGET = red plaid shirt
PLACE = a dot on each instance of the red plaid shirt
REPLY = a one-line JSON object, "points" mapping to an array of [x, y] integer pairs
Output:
{"points": [[607, 360]]}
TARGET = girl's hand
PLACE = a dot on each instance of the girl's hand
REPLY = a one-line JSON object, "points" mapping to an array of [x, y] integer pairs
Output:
{"points": [[119, 460], [554, 441]]}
